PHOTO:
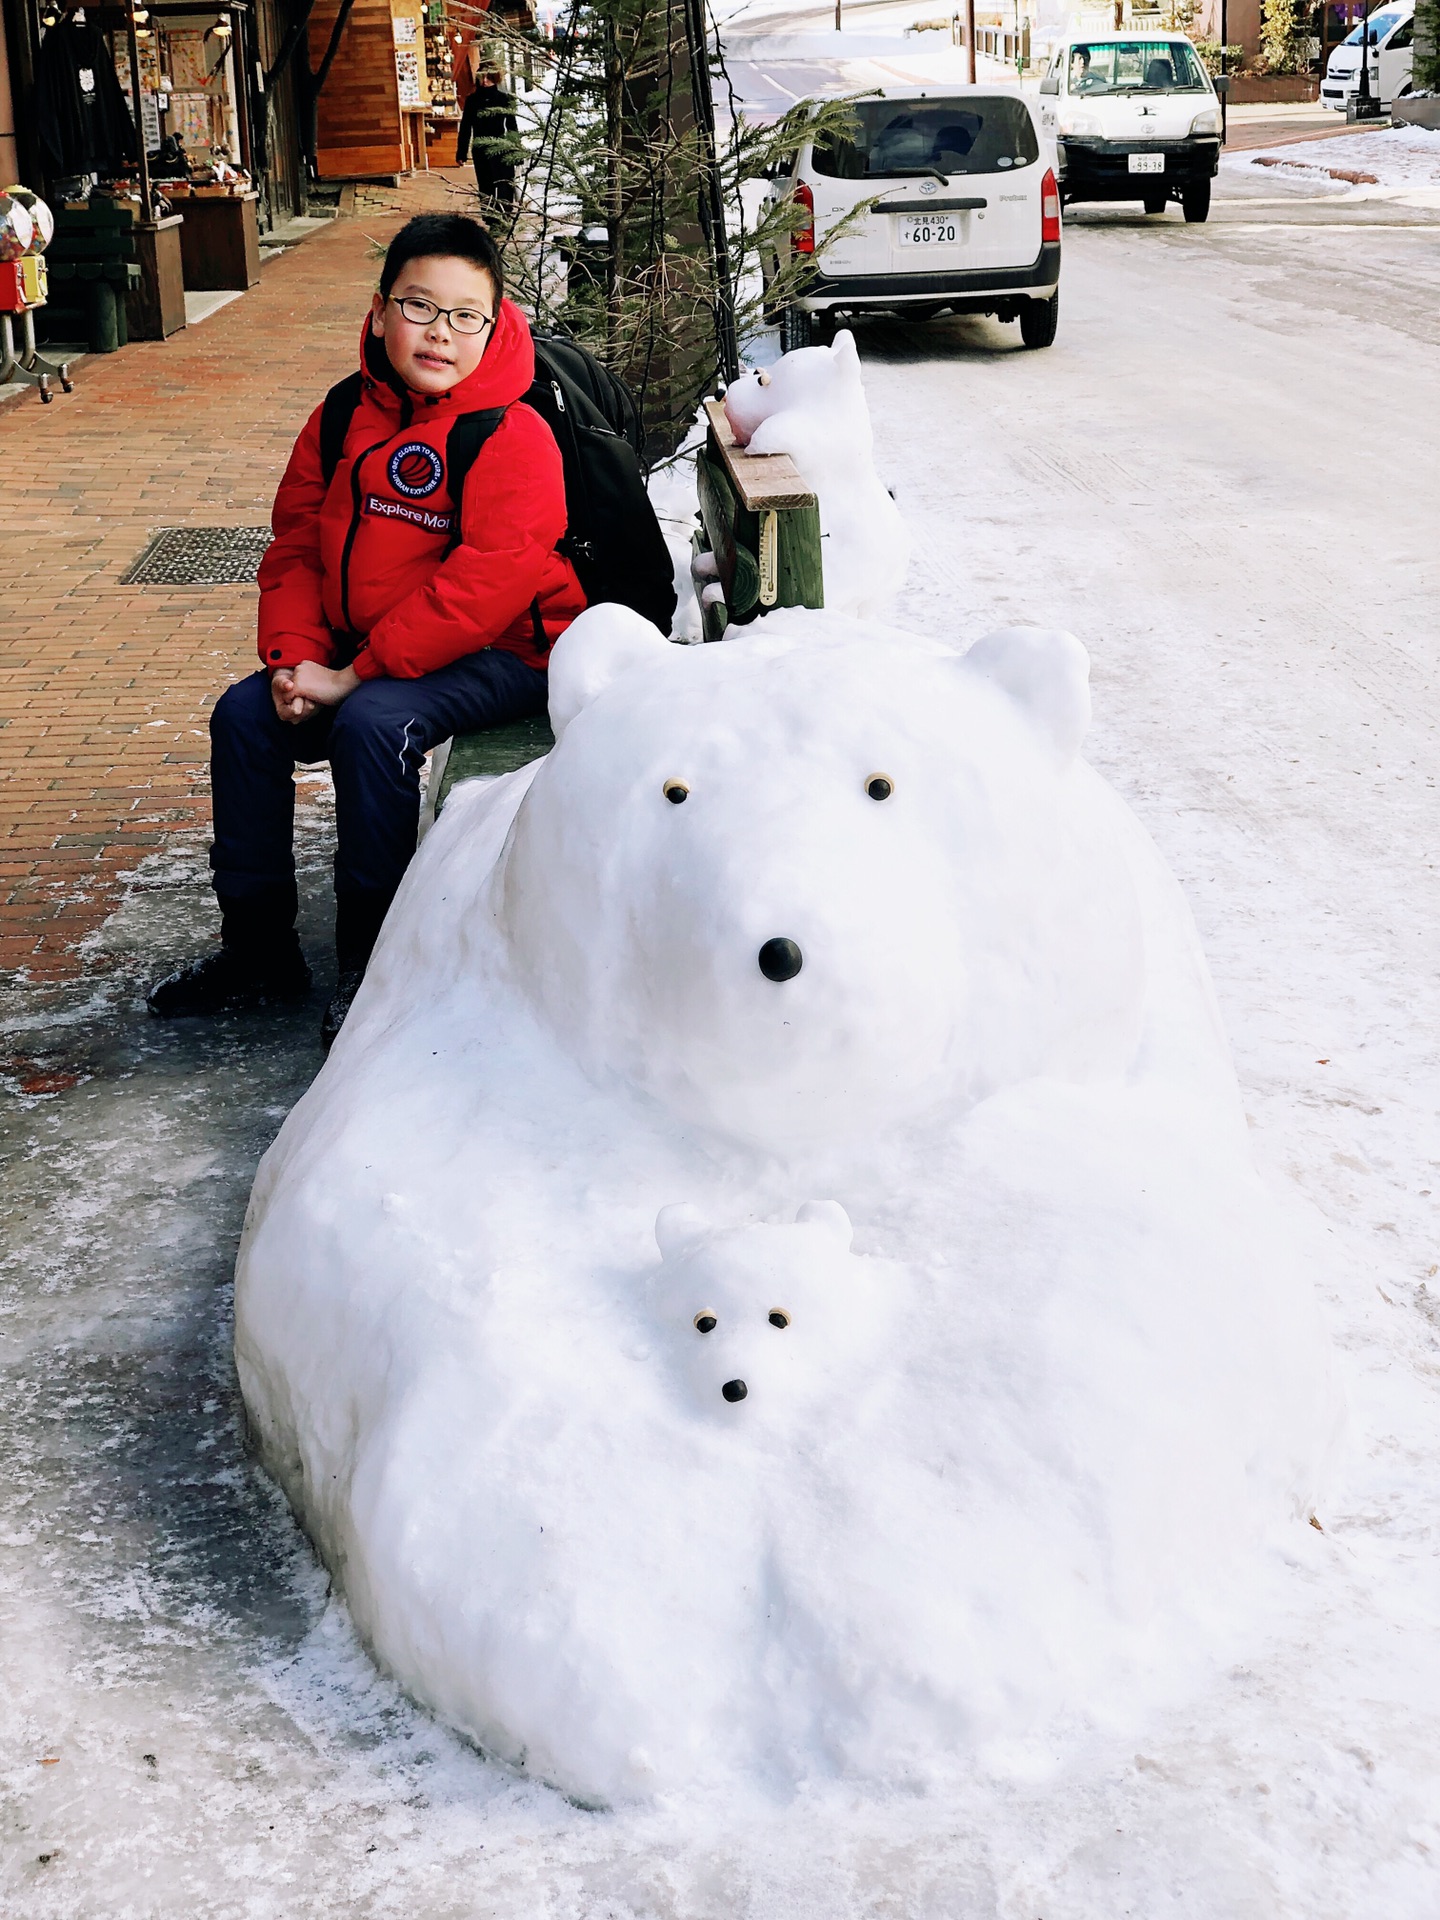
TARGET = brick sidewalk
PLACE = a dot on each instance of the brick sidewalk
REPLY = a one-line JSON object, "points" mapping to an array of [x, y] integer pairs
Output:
{"points": [[104, 689]]}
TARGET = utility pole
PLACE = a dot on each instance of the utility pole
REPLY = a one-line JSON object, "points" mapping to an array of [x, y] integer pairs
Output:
{"points": [[969, 39]]}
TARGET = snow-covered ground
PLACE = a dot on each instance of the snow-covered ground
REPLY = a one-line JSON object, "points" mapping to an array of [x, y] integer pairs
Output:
{"points": [[187, 1726], [1406, 158]]}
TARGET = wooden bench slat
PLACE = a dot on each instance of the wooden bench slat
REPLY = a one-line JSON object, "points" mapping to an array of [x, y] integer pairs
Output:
{"points": [[762, 480], [493, 751]]}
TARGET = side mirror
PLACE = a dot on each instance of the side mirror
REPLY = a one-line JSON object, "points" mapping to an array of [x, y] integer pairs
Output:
{"points": [[1050, 84]]}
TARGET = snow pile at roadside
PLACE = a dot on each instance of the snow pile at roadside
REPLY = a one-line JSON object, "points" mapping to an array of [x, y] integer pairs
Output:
{"points": [[629, 1459], [1395, 156]]}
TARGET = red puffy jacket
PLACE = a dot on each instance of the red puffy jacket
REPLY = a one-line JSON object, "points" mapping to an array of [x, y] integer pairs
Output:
{"points": [[367, 555]]}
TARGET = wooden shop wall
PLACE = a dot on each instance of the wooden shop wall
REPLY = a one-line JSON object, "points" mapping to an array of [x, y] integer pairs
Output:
{"points": [[372, 111]]}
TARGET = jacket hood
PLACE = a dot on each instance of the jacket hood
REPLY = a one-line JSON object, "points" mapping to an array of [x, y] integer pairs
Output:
{"points": [[506, 372]]}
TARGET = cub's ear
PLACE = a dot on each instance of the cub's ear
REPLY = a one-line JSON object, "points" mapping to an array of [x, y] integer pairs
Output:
{"points": [[595, 649], [1046, 674], [828, 1214], [679, 1229]]}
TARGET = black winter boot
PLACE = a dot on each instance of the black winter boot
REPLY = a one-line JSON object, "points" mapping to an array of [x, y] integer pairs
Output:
{"points": [[258, 963], [358, 920]]}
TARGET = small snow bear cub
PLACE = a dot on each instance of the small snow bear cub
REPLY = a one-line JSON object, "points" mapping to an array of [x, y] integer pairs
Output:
{"points": [[768, 1318], [811, 405]]}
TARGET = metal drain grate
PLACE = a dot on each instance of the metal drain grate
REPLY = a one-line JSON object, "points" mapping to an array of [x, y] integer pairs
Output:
{"points": [[199, 557]]}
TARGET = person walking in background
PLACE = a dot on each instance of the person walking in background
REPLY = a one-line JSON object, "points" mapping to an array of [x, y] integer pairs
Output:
{"points": [[488, 136]]}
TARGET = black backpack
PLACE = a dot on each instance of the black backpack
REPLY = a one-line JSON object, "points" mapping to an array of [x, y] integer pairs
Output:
{"points": [[613, 538]]}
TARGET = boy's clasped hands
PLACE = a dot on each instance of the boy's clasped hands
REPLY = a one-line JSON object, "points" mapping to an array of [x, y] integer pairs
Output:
{"points": [[297, 691]]}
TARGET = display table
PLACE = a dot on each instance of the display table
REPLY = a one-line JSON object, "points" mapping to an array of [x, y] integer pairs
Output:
{"points": [[156, 307], [220, 242]]}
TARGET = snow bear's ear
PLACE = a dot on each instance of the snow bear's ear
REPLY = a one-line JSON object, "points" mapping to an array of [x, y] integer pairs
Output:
{"points": [[679, 1230], [594, 650], [828, 1214], [844, 351], [1045, 673]]}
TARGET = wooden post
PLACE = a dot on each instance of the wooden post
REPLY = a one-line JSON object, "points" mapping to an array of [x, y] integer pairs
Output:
{"points": [[970, 41], [146, 210]]}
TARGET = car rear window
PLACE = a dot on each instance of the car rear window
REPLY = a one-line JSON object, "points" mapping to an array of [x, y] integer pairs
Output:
{"points": [[893, 138]]}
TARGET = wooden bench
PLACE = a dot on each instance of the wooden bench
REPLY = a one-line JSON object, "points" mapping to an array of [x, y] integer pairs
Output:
{"points": [[496, 750], [761, 522], [763, 525]]}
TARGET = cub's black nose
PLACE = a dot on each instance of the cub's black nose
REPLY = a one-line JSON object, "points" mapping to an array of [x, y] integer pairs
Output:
{"points": [[780, 959], [734, 1390]]}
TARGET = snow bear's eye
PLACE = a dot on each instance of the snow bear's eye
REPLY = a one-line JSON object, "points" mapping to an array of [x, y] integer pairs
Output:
{"points": [[779, 1317], [879, 786], [705, 1323], [676, 791]]}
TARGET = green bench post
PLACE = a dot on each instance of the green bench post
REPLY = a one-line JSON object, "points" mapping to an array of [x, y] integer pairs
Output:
{"points": [[761, 522]]}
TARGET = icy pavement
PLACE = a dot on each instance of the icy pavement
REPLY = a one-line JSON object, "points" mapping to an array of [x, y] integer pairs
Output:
{"points": [[188, 1729]]}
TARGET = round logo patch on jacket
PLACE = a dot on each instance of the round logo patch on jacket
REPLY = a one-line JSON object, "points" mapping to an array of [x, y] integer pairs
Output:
{"points": [[415, 469]]}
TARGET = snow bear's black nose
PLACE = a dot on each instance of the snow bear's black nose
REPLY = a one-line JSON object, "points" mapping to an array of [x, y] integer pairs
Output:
{"points": [[780, 960], [734, 1390]]}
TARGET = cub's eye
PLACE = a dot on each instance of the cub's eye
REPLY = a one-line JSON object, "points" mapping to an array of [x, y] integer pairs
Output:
{"points": [[705, 1323], [779, 1317], [879, 786], [676, 791]]}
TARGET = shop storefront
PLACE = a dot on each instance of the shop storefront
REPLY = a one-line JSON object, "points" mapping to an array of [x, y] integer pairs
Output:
{"points": [[90, 84]]}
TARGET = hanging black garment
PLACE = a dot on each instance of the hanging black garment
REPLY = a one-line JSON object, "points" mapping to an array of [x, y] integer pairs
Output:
{"points": [[81, 116]]}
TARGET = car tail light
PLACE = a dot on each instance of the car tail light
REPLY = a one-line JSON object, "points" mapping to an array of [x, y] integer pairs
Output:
{"points": [[802, 239], [1049, 210]]}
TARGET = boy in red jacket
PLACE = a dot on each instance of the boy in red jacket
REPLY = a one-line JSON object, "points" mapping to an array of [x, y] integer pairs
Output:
{"points": [[380, 632]]}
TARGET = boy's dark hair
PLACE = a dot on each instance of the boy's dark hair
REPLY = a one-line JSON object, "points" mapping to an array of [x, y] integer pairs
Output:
{"points": [[454, 234]]}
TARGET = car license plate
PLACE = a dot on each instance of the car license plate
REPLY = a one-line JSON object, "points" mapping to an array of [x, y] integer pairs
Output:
{"points": [[931, 230], [1147, 163]]}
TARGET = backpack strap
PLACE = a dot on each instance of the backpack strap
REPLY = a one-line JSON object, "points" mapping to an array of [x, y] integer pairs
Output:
{"points": [[336, 413], [467, 436], [537, 628]]}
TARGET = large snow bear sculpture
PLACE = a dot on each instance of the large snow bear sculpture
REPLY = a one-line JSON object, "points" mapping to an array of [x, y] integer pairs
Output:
{"points": [[811, 405], [826, 925]]}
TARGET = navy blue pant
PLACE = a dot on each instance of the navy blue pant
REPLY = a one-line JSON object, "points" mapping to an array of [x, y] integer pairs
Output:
{"points": [[375, 741]]}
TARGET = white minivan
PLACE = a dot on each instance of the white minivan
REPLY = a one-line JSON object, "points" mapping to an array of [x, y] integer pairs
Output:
{"points": [[1392, 55], [966, 216]]}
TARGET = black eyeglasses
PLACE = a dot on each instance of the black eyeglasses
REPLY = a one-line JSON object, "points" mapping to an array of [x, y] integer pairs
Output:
{"points": [[423, 312]]}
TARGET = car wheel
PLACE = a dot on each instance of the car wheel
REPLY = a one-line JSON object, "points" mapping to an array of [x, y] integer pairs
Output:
{"points": [[1039, 319], [794, 329], [1196, 201], [1155, 202]]}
